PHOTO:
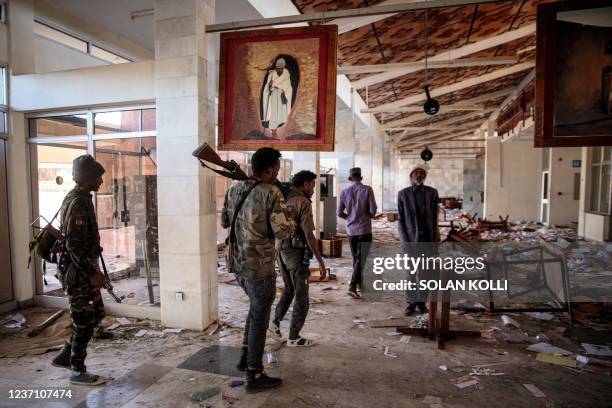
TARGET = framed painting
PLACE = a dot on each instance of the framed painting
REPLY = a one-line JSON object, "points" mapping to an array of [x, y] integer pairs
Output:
{"points": [[573, 105], [277, 88]]}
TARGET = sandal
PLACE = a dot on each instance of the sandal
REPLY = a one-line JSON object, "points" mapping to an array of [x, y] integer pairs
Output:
{"points": [[300, 342]]}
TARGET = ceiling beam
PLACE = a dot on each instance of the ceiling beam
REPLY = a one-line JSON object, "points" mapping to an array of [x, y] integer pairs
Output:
{"points": [[349, 13], [451, 55], [477, 99], [425, 140], [441, 137], [456, 63], [424, 128], [445, 156], [522, 85], [345, 25], [450, 122], [419, 108], [458, 86]]}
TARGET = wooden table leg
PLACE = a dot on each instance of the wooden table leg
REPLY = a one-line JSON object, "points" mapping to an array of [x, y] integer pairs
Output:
{"points": [[433, 323]]}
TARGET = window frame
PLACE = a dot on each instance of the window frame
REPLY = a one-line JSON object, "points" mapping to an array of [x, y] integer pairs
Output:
{"points": [[89, 44], [4, 108], [595, 207], [89, 138]]}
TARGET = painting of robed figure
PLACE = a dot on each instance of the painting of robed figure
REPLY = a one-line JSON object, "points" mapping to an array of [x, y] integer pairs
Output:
{"points": [[278, 88]]}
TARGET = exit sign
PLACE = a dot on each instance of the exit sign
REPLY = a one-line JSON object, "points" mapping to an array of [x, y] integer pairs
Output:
{"points": [[576, 163]]}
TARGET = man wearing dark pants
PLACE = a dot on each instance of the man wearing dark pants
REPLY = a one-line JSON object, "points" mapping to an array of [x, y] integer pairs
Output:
{"points": [[80, 274], [254, 210], [418, 228], [294, 260], [357, 206]]}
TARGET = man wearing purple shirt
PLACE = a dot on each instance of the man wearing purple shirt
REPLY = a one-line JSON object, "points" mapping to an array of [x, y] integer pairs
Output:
{"points": [[357, 206]]}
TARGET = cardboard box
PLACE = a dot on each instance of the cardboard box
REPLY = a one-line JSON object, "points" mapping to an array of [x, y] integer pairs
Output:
{"points": [[331, 248]]}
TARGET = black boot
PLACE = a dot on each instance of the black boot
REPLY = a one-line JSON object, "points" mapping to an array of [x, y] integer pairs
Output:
{"points": [[242, 364], [258, 380], [62, 360], [100, 333]]}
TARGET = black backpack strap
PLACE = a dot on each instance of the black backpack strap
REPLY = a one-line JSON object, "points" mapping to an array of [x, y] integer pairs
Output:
{"points": [[232, 235]]}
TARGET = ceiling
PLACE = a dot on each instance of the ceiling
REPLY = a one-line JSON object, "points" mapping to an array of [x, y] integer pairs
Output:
{"points": [[114, 15], [401, 38]]}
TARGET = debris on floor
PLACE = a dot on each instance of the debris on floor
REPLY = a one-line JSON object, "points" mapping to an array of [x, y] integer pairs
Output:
{"points": [[15, 321], [546, 348], [204, 394], [465, 381], [535, 391], [597, 350], [556, 359]]}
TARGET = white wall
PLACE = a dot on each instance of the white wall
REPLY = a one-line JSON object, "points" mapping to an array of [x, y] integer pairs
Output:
{"points": [[563, 206], [85, 87], [512, 183], [51, 56], [445, 175]]}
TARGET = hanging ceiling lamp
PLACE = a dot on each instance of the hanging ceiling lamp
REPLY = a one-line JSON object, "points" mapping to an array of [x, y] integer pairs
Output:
{"points": [[431, 106]]}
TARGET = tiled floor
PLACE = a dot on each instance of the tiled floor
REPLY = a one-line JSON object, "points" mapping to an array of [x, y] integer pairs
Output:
{"points": [[346, 369]]}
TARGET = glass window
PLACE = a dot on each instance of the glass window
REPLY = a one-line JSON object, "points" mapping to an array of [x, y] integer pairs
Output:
{"points": [[54, 165], [69, 125], [595, 187], [2, 122], [127, 215], [604, 198], [51, 33], [106, 55], [2, 86], [117, 122], [149, 119], [597, 155]]}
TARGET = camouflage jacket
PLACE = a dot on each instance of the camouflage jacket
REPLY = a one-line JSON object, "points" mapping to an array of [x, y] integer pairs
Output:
{"points": [[303, 208], [80, 228], [261, 220]]}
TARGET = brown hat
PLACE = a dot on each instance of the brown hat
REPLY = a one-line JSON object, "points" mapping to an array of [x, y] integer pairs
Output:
{"points": [[355, 172]]}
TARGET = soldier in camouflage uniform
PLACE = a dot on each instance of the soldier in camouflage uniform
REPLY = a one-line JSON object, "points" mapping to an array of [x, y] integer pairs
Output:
{"points": [[79, 270], [260, 221], [294, 260]]}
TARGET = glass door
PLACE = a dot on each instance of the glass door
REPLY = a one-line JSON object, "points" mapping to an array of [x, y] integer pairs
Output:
{"points": [[545, 201]]}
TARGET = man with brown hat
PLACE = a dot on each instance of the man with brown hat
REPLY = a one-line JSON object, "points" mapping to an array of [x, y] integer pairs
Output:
{"points": [[80, 274], [357, 206], [418, 227]]}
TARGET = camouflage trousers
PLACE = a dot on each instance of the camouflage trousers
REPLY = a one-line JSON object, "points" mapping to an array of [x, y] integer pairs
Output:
{"points": [[295, 277], [86, 313]]}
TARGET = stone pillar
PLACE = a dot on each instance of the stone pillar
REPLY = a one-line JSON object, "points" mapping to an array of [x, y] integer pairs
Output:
{"points": [[389, 192], [186, 191], [377, 166], [21, 61], [345, 150]]}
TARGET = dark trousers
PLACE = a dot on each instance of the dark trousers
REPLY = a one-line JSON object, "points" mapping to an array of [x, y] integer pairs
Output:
{"points": [[261, 293], [418, 297], [295, 276], [86, 313], [360, 248]]}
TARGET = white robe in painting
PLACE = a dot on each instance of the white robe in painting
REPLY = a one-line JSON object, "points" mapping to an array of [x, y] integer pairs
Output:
{"points": [[275, 112]]}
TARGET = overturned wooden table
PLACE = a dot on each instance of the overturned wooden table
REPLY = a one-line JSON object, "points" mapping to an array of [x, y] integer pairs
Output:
{"points": [[439, 321]]}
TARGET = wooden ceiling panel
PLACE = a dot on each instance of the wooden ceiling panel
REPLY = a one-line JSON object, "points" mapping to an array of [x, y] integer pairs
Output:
{"points": [[402, 39], [315, 6]]}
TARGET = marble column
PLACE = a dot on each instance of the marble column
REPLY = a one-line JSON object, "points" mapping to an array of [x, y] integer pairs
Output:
{"points": [[185, 90]]}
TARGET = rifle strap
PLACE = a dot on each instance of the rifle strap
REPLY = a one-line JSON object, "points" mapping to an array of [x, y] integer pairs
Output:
{"points": [[220, 172], [232, 236]]}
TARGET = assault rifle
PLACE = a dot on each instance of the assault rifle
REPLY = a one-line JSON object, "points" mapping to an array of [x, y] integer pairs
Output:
{"points": [[206, 154], [107, 283]]}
